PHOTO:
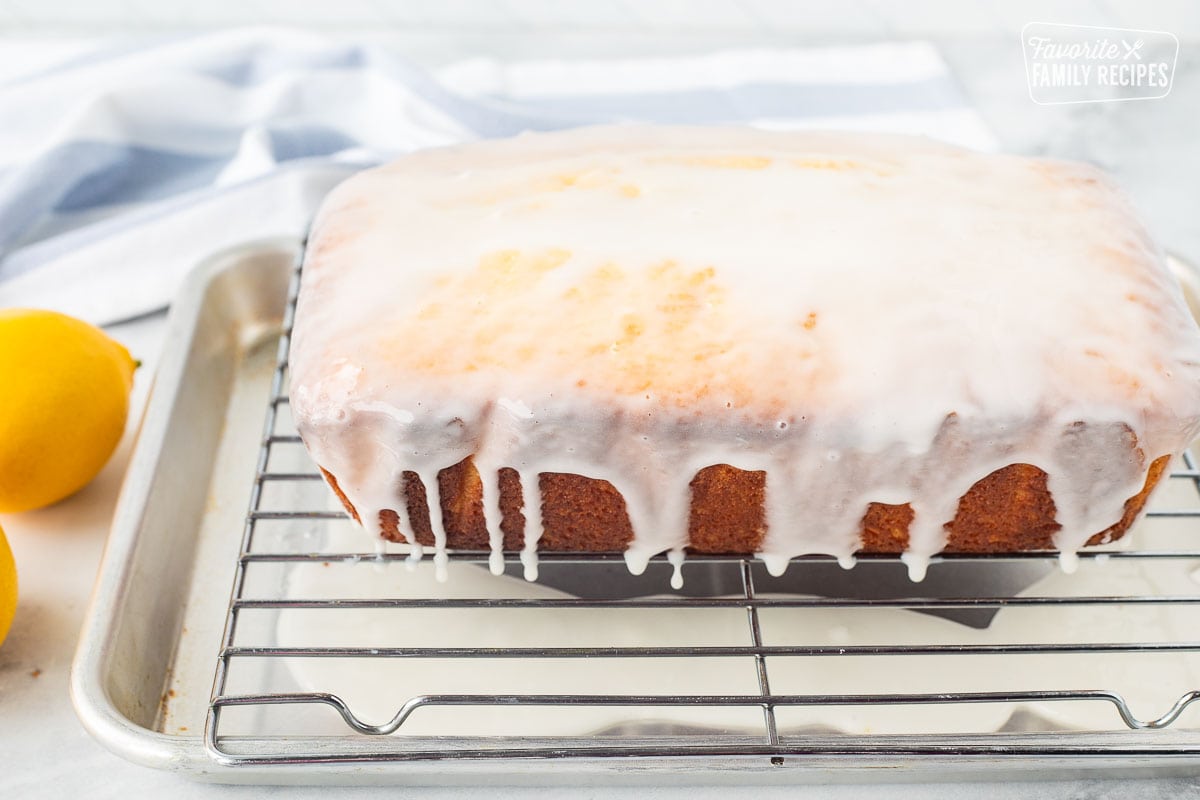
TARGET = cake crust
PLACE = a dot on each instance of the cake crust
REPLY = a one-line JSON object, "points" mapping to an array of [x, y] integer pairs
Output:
{"points": [[1010, 510]]}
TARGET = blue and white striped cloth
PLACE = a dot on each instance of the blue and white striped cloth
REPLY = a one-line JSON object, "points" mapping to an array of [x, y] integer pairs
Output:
{"points": [[120, 169]]}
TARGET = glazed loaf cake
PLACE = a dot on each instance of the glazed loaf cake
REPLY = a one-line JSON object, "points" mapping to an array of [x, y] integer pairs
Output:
{"points": [[650, 340]]}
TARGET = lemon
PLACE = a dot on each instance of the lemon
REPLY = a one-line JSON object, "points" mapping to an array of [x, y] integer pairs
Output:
{"points": [[64, 397], [8, 587]]}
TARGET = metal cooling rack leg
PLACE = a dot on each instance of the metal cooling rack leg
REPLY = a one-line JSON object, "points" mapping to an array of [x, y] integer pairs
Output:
{"points": [[760, 661]]}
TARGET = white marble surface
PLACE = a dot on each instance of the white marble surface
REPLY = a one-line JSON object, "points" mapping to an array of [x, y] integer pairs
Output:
{"points": [[44, 752]]}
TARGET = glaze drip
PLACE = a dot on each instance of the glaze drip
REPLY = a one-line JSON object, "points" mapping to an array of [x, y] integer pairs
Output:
{"points": [[532, 509]]}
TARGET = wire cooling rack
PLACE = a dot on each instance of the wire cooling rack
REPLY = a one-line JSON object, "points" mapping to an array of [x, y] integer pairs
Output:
{"points": [[990, 655]]}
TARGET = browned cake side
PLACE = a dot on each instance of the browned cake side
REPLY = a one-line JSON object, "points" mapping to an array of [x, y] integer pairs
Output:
{"points": [[1009, 510]]}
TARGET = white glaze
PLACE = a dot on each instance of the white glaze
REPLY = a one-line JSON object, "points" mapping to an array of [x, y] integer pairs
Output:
{"points": [[675, 557], [866, 318]]}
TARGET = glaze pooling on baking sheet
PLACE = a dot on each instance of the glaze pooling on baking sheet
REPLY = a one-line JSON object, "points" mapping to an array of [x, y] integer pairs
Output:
{"points": [[864, 318]]}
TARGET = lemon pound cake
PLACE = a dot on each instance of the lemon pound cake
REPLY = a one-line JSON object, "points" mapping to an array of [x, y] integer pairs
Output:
{"points": [[648, 340]]}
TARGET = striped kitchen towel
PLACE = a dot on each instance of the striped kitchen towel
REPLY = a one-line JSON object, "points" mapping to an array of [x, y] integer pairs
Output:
{"points": [[122, 168]]}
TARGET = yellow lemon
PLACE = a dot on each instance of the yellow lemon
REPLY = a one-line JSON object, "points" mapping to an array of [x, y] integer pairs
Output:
{"points": [[8, 587], [64, 397]]}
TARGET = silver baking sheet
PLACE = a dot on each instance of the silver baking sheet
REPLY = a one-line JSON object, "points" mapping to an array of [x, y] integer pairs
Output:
{"points": [[143, 673]]}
